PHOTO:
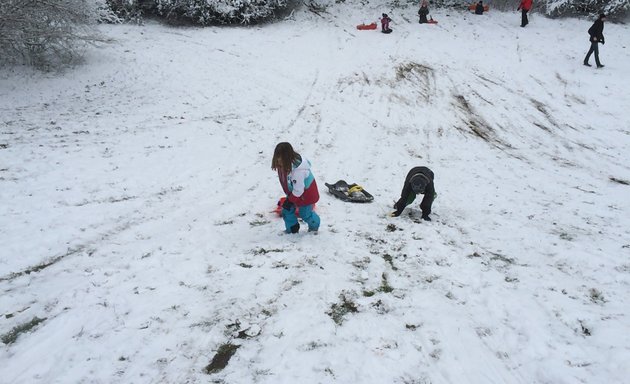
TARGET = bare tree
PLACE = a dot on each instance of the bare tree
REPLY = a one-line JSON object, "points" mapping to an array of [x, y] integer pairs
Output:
{"points": [[48, 33]]}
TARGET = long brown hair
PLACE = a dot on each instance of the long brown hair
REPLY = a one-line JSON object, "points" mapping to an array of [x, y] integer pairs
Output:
{"points": [[283, 157]]}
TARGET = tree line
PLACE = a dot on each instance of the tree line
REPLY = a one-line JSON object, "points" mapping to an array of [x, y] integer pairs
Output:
{"points": [[49, 34]]}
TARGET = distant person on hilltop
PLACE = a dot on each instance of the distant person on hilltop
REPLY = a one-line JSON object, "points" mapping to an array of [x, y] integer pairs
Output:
{"points": [[385, 20], [298, 183], [419, 181], [423, 12], [524, 7], [596, 32], [479, 8]]}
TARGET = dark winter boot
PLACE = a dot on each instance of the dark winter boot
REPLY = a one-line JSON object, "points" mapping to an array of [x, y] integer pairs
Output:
{"points": [[295, 228]]}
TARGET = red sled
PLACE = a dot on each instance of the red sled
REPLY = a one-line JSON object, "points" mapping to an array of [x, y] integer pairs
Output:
{"points": [[279, 207], [365, 27], [432, 21], [472, 7]]}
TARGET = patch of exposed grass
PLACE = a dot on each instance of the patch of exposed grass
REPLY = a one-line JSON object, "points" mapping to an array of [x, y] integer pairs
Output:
{"points": [[477, 125], [405, 69], [263, 251], [361, 263], [431, 278], [385, 287], [390, 260], [500, 257], [586, 331], [619, 181], [339, 310], [543, 109], [41, 266], [380, 307], [11, 336], [280, 264], [221, 358], [596, 296], [436, 354], [258, 222]]}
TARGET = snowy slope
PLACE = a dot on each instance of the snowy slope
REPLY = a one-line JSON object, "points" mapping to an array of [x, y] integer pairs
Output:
{"points": [[136, 197]]}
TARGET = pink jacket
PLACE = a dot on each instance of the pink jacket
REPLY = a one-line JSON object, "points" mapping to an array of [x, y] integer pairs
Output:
{"points": [[385, 23]]}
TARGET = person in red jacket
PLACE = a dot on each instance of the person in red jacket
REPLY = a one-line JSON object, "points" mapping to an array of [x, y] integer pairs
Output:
{"points": [[524, 7]]}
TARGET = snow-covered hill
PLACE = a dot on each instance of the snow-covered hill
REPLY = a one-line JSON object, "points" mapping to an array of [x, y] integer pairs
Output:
{"points": [[138, 238]]}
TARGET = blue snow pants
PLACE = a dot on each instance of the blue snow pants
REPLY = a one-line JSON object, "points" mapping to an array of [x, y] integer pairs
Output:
{"points": [[306, 213]]}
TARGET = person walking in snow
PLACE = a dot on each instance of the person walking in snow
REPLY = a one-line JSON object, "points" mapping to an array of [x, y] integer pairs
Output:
{"points": [[524, 7], [298, 183], [423, 12], [419, 181], [596, 33], [479, 8], [385, 20]]}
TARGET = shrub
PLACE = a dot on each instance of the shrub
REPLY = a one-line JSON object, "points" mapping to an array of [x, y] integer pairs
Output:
{"points": [[207, 12], [553, 8], [591, 8], [48, 34]]}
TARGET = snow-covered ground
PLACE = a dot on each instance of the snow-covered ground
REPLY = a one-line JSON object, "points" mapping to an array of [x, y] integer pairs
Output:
{"points": [[136, 196]]}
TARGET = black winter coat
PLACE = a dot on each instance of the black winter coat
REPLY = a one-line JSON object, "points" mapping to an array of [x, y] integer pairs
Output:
{"points": [[597, 31], [407, 195]]}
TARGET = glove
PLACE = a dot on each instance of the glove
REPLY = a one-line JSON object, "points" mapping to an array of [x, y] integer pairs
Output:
{"points": [[426, 218], [603, 42], [287, 204]]}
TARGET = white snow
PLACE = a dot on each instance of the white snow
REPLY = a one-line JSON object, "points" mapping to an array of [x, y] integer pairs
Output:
{"points": [[143, 178]]}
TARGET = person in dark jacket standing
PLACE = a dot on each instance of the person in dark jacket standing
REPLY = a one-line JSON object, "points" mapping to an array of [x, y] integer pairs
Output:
{"points": [[419, 180], [479, 8], [423, 12], [596, 32], [524, 7]]}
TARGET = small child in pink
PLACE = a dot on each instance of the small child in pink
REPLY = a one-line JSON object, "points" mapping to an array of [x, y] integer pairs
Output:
{"points": [[385, 20]]}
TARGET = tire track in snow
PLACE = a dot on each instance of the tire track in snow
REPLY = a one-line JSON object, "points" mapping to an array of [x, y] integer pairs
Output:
{"points": [[305, 103]]}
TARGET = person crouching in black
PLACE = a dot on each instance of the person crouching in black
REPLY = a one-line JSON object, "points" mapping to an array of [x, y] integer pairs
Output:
{"points": [[419, 180]]}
